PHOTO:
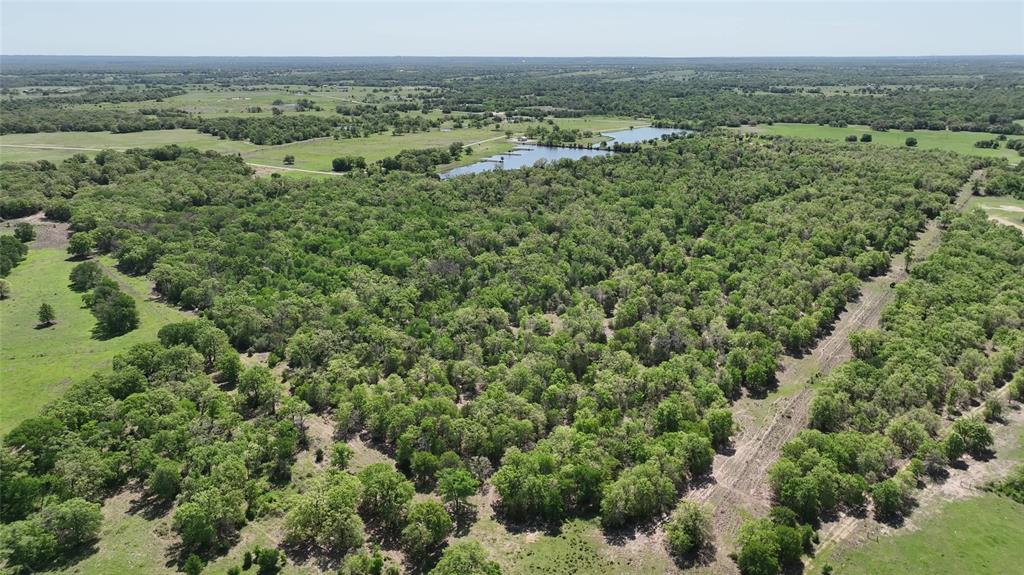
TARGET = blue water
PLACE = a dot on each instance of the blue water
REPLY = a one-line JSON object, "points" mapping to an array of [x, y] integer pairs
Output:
{"points": [[528, 154]]}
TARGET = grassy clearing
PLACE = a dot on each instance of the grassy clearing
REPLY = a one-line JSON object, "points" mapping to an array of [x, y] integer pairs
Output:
{"points": [[1003, 207], [980, 536], [36, 365], [11, 149], [960, 142], [578, 547]]}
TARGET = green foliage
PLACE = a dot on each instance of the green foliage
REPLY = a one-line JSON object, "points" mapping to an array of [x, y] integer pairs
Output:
{"points": [[193, 565], [325, 514], [341, 455], [427, 526], [12, 252], [24, 232], [386, 492], [688, 530], [86, 275], [165, 481], [465, 557], [46, 315]]}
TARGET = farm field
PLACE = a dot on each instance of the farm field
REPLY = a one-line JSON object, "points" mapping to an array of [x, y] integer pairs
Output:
{"points": [[38, 364], [960, 142]]}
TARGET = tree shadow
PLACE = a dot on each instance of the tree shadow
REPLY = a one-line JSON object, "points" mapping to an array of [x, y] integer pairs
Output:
{"points": [[150, 507], [41, 326], [309, 554], [178, 552], [464, 520], [701, 558]]}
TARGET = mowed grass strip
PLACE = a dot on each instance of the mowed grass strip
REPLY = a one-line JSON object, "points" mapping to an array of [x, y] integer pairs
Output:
{"points": [[960, 142], [37, 365], [981, 536]]}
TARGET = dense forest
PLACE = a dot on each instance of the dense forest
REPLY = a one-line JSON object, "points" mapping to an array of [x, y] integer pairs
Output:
{"points": [[573, 333], [572, 343]]}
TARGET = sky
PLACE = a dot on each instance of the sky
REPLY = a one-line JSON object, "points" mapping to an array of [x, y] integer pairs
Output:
{"points": [[511, 28]]}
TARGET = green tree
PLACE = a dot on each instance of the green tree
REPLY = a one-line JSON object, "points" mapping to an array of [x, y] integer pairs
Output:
{"points": [[258, 385], [115, 315], [427, 526], [46, 314], [165, 481], [73, 522], [27, 544], [24, 232], [341, 455], [5, 289], [193, 565], [325, 514], [81, 245], [289, 160], [688, 530], [465, 557], [386, 493], [85, 276], [911, 142], [455, 486]]}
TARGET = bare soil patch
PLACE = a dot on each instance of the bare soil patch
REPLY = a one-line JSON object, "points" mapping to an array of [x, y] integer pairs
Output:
{"points": [[49, 233]]}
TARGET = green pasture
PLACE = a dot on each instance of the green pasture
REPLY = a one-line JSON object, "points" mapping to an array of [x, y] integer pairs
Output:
{"points": [[960, 142], [981, 536], [36, 365], [56, 146]]}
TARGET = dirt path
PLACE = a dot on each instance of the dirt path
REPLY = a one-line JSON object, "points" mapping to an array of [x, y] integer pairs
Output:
{"points": [[265, 168], [739, 486], [1006, 222]]}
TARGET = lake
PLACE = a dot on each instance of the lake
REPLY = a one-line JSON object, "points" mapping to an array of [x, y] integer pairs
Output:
{"points": [[527, 155]]}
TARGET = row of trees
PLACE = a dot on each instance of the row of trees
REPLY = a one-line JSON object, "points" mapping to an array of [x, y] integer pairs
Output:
{"points": [[952, 336]]}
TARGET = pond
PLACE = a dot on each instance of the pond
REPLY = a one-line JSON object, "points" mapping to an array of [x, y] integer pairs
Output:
{"points": [[527, 155]]}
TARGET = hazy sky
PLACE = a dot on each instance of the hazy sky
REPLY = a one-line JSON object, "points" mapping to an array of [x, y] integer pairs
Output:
{"points": [[511, 28]]}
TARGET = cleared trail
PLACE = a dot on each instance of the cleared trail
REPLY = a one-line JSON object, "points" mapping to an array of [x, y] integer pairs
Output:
{"points": [[739, 488]]}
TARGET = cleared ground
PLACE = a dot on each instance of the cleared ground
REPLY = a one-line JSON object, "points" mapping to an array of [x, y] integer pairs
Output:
{"points": [[1003, 209], [960, 142]]}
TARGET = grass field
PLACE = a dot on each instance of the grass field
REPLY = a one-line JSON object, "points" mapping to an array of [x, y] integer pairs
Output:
{"points": [[11, 149], [1001, 207], [309, 155], [981, 536], [36, 365], [960, 142]]}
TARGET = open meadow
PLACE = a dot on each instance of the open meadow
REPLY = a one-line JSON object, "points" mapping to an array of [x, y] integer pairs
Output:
{"points": [[960, 142], [36, 365]]}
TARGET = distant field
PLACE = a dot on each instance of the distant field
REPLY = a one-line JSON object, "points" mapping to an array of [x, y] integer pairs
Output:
{"points": [[317, 154], [36, 365], [12, 150], [310, 154], [981, 536], [960, 142]]}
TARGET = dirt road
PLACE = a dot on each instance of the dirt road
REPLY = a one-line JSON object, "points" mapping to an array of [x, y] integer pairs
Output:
{"points": [[739, 486]]}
